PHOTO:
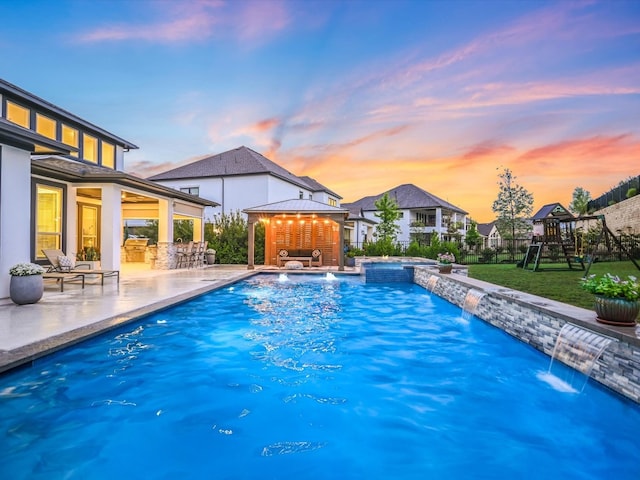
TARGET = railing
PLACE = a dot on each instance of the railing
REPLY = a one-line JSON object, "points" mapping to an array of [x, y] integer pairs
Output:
{"points": [[513, 252], [615, 195]]}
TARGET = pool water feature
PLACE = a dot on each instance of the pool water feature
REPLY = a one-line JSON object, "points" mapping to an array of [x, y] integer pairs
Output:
{"points": [[578, 348], [389, 272], [309, 378]]}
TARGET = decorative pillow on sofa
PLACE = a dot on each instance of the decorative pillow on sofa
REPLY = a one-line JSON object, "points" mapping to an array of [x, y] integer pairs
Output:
{"points": [[66, 263]]}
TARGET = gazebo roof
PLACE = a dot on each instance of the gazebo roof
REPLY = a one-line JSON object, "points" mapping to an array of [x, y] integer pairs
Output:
{"points": [[296, 206]]}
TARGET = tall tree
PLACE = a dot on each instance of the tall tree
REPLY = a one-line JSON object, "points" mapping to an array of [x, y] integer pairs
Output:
{"points": [[580, 201], [388, 213], [514, 206], [472, 238]]}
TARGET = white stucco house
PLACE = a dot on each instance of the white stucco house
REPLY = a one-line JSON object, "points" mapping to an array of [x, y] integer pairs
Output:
{"points": [[421, 213], [242, 178], [63, 186]]}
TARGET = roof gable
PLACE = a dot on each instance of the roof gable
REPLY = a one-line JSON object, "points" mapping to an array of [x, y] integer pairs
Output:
{"points": [[408, 196], [239, 161], [552, 210]]}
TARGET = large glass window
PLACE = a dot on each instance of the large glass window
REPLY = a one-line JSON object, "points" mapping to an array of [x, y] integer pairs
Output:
{"points": [[108, 155], [70, 136], [18, 114], [45, 126], [48, 218], [89, 148]]}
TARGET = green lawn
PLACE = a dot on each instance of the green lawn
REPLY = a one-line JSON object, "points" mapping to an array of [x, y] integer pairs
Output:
{"points": [[560, 285]]}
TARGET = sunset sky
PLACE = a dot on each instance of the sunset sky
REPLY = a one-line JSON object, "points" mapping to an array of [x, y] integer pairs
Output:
{"points": [[360, 95]]}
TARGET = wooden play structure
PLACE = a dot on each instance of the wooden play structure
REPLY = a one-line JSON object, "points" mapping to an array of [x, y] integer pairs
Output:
{"points": [[576, 240]]}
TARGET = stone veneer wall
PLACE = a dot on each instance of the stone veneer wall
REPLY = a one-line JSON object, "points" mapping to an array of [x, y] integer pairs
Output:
{"points": [[165, 258], [623, 216], [537, 321]]}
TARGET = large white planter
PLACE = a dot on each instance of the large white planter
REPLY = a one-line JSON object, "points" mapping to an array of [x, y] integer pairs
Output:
{"points": [[27, 289]]}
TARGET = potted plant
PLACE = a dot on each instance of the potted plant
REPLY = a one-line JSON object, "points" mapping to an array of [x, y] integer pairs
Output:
{"points": [[211, 256], [89, 258], [351, 254], [445, 262], [26, 284], [617, 301]]}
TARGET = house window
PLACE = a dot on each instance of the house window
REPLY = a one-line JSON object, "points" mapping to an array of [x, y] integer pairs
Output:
{"points": [[48, 211], [108, 155], [333, 202], [311, 196], [18, 114], [191, 190], [300, 194], [70, 136], [400, 214], [89, 148], [45, 126]]}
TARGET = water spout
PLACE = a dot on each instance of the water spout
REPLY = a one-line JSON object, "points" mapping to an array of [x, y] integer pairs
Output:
{"points": [[579, 349], [283, 277], [471, 302], [431, 283], [330, 276]]}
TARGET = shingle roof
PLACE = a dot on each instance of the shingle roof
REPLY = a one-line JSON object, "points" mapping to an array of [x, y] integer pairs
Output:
{"points": [[239, 161], [407, 196], [484, 229], [552, 210]]}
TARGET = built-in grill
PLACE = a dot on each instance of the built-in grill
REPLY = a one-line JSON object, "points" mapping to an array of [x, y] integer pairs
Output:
{"points": [[135, 248]]}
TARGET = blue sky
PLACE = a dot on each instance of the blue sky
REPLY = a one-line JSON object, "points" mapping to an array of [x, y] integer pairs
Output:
{"points": [[360, 95]]}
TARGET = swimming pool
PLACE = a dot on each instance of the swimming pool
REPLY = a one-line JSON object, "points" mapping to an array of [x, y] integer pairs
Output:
{"points": [[314, 379]]}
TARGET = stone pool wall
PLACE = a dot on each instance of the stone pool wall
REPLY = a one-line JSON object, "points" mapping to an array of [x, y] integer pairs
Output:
{"points": [[537, 321]]}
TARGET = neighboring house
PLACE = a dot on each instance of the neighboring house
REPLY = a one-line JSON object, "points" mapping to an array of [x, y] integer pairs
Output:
{"points": [[62, 186], [421, 213], [490, 235], [358, 228], [242, 178]]}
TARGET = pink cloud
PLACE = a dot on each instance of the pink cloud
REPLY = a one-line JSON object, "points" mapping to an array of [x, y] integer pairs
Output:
{"points": [[195, 21]]}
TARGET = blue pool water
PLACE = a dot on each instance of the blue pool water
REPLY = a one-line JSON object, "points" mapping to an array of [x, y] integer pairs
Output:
{"points": [[312, 379]]}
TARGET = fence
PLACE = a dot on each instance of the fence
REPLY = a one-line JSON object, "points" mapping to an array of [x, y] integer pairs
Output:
{"points": [[513, 252], [615, 195]]}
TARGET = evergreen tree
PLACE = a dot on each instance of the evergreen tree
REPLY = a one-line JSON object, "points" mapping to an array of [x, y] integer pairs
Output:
{"points": [[387, 229], [228, 235], [472, 239], [580, 201]]}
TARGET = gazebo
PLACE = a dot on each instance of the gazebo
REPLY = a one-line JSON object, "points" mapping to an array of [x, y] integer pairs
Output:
{"points": [[296, 225]]}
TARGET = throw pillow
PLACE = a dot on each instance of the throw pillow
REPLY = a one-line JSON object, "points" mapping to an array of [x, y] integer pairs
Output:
{"points": [[66, 263]]}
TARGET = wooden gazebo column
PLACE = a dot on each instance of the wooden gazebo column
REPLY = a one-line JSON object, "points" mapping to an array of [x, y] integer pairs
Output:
{"points": [[251, 223]]}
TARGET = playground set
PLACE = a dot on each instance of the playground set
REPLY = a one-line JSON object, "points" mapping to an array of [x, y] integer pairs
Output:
{"points": [[576, 239]]}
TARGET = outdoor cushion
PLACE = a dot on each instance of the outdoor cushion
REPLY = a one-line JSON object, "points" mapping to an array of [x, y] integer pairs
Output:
{"points": [[66, 263]]}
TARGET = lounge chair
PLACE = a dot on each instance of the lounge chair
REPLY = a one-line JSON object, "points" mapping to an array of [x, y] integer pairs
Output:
{"points": [[61, 263], [61, 277]]}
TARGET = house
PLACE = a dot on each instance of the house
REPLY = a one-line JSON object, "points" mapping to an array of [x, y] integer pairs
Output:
{"points": [[490, 235], [358, 228], [242, 178], [62, 186], [421, 214]]}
